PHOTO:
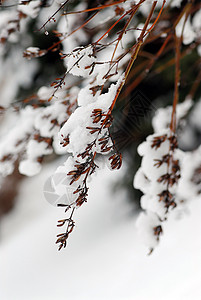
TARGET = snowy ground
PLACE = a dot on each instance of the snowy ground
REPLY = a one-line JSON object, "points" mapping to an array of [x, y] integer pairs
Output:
{"points": [[104, 258]]}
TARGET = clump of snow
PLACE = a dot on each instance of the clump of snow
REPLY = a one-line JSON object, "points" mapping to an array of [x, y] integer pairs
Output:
{"points": [[29, 168], [159, 197], [14, 141], [31, 52], [161, 120], [44, 121], [146, 178], [45, 93], [80, 61], [8, 22], [190, 185], [33, 49], [146, 6], [34, 150], [145, 224], [176, 3], [75, 127], [31, 9], [184, 26], [195, 119], [196, 22]]}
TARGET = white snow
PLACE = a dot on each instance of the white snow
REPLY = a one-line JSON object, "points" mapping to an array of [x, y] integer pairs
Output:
{"points": [[29, 167], [162, 117], [176, 3], [104, 258], [31, 9], [13, 142], [187, 30], [80, 61], [76, 125], [34, 149]]}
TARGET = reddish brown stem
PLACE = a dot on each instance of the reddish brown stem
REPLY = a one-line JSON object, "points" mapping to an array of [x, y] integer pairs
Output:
{"points": [[126, 26], [113, 25], [94, 8], [148, 67], [176, 84], [136, 49]]}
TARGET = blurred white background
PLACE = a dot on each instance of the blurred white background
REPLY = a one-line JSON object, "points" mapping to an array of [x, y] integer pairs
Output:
{"points": [[104, 258]]}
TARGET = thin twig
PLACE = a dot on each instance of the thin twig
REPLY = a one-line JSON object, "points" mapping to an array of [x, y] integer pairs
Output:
{"points": [[94, 8], [136, 49], [177, 82], [50, 18]]}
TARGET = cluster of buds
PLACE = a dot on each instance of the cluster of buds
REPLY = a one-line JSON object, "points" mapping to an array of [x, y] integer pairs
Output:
{"points": [[158, 179], [116, 161], [62, 237], [33, 52], [86, 167], [172, 176]]}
